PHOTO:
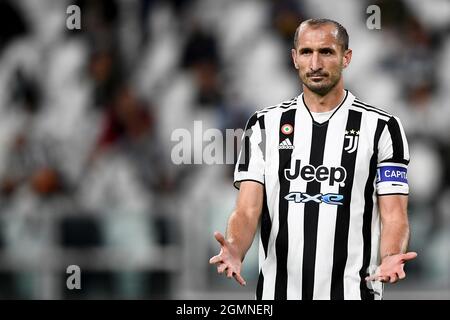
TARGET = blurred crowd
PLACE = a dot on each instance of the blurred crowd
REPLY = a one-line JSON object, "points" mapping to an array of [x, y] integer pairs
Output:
{"points": [[86, 118]]}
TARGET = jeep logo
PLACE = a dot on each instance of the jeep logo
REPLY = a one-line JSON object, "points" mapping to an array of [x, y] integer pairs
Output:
{"points": [[320, 174]]}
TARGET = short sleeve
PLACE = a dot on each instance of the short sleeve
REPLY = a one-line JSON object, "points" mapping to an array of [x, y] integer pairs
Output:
{"points": [[393, 160], [250, 164]]}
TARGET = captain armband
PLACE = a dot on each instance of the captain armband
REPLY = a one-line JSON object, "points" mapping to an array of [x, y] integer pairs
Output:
{"points": [[392, 178]]}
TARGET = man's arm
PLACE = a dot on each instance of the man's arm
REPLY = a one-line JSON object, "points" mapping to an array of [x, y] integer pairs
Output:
{"points": [[241, 230], [395, 226], [394, 238], [244, 220]]}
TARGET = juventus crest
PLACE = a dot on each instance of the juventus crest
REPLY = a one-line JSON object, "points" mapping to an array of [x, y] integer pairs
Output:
{"points": [[353, 137]]}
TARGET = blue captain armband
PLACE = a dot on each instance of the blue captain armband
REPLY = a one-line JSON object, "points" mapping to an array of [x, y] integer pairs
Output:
{"points": [[392, 178], [394, 173]]}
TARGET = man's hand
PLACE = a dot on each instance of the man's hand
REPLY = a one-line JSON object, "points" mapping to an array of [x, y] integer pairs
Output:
{"points": [[227, 260], [391, 268]]}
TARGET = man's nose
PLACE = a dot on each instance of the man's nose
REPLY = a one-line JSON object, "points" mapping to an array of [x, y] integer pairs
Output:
{"points": [[315, 63]]}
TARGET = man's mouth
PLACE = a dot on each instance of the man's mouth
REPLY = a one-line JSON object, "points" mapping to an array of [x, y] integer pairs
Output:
{"points": [[317, 78]]}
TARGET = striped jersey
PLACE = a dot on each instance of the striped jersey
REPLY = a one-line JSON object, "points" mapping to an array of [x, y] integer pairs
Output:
{"points": [[320, 226]]}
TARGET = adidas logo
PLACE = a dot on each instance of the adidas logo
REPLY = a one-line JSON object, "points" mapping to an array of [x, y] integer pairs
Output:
{"points": [[286, 144]]}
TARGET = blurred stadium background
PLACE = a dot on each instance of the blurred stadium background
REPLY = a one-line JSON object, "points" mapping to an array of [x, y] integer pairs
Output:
{"points": [[86, 119]]}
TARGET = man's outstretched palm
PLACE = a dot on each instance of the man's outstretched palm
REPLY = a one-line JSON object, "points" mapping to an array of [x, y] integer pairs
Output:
{"points": [[227, 260], [391, 268]]}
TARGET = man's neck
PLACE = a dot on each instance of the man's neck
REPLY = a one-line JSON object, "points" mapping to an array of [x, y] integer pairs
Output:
{"points": [[318, 103]]}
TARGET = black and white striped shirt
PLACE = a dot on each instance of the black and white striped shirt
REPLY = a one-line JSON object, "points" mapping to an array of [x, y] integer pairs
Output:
{"points": [[320, 227]]}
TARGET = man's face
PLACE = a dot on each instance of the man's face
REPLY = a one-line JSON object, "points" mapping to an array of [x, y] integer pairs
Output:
{"points": [[319, 57]]}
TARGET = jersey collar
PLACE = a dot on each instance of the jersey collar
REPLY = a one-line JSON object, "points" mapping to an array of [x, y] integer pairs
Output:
{"points": [[347, 101]]}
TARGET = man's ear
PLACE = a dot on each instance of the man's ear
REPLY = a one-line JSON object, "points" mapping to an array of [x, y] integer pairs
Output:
{"points": [[347, 57], [294, 56]]}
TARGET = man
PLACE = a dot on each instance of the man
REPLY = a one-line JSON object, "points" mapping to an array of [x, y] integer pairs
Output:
{"points": [[325, 174]]}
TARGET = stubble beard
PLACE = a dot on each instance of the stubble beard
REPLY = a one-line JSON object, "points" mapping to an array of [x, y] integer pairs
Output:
{"points": [[323, 87]]}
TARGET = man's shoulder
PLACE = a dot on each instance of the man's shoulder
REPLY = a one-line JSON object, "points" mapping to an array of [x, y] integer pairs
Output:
{"points": [[370, 109], [280, 107]]}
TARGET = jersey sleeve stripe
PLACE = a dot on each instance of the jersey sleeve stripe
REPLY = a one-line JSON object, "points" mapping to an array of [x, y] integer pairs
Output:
{"points": [[284, 105], [237, 183], [372, 107], [386, 116], [244, 163], [397, 141], [262, 127], [402, 161]]}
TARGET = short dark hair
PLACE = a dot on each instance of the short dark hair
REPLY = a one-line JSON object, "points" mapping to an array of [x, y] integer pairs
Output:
{"points": [[342, 35]]}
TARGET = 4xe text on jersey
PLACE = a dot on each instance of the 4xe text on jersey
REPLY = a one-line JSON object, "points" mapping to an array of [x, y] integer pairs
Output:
{"points": [[303, 197]]}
